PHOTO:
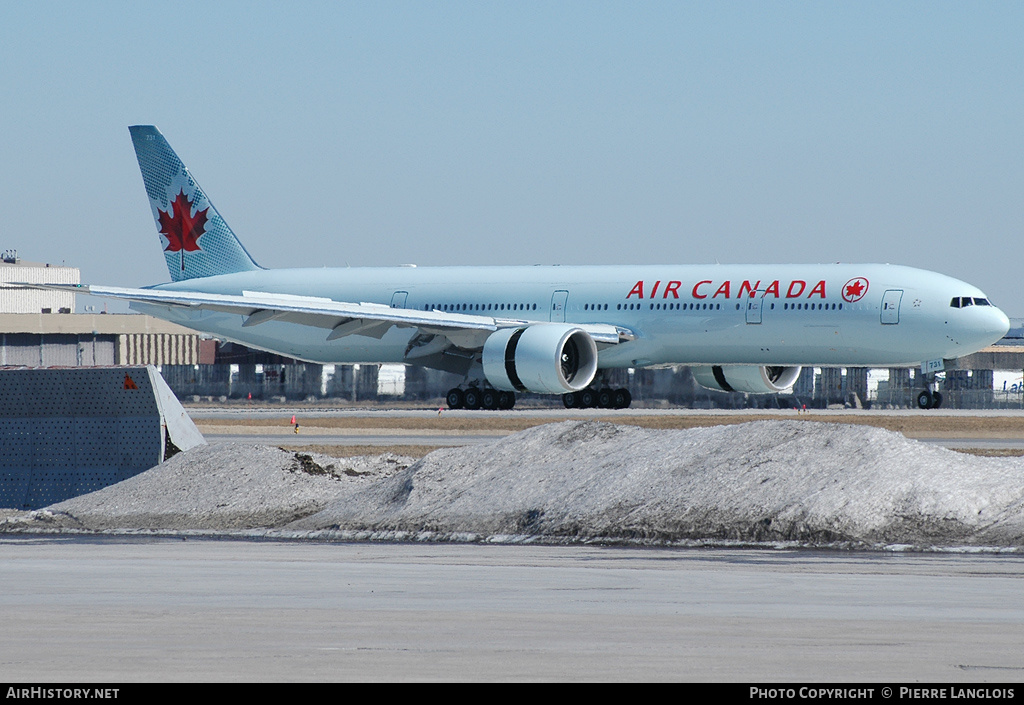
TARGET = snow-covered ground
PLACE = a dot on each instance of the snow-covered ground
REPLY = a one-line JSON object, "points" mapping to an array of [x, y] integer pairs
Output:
{"points": [[767, 481]]}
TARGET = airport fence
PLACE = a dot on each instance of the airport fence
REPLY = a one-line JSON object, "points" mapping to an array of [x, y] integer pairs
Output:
{"points": [[951, 399]]}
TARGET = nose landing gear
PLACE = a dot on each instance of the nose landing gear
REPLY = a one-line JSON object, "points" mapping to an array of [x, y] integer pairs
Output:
{"points": [[927, 398]]}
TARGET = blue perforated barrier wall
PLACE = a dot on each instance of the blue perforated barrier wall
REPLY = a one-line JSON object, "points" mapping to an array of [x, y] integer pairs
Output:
{"points": [[68, 431]]}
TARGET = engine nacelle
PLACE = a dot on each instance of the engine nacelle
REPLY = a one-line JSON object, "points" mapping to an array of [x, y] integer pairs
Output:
{"points": [[746, 378], [546, 358]]}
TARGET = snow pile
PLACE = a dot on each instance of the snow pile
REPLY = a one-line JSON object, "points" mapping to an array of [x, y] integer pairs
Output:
{"points": [[810, 483], [214, 488]]}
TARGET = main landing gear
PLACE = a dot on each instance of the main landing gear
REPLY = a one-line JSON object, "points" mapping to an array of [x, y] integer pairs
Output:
{"points": [[485, 398], [603, 398], [477, 398]]}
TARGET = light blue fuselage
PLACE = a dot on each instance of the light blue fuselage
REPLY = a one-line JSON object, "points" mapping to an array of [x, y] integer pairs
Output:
{"points": [[680, 314]]}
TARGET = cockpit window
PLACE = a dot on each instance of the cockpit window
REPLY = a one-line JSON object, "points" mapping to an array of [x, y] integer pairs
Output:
{"points": [[965, 301]]}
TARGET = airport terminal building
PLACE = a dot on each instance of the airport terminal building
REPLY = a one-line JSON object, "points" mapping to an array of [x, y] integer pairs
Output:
{"points": [[39, 329]]}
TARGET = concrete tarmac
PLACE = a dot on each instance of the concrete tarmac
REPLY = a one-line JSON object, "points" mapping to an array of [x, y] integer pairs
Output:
{"points": [[156, 609], [269, 425], [287, 438], [317, 437]]}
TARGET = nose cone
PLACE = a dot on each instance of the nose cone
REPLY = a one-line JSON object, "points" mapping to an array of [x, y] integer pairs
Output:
{"points": [[988, 325], [1000, 324]]}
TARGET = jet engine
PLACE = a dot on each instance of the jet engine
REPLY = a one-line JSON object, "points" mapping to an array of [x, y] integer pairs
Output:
{"points": [[546, 358], [746, 378]]}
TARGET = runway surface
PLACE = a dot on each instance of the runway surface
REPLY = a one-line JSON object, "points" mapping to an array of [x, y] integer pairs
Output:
{"points": [[126, 609], [240, 411], [413, 427], [288, 438]]}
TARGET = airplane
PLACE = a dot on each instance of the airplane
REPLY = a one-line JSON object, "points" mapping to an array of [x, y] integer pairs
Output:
{"points": [[553, 329]]}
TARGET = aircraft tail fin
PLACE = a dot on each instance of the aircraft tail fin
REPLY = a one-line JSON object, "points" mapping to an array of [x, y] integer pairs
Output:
{"points": [[196, 240]]}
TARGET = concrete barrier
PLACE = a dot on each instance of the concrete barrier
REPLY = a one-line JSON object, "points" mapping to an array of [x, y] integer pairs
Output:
{"points": [[68, 431]]}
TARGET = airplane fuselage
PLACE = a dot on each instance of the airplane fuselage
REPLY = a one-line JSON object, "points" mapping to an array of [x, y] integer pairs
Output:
{"points": [[839, 315]]}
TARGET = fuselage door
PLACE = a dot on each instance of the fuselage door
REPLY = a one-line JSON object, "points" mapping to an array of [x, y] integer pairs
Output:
{"points": [[558, 300], [891, 306], [754, 307], [398, 300]]}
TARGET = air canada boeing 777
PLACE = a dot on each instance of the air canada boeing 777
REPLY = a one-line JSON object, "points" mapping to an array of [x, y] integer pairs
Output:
{"points": [[554, 329]]}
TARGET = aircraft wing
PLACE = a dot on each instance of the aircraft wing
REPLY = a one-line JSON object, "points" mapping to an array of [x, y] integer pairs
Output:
{"points": [[339, 317]]}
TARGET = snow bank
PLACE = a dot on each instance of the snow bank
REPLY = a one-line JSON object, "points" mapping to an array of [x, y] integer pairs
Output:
{"points": [[812, 483], [766, 481], [229, 486]]}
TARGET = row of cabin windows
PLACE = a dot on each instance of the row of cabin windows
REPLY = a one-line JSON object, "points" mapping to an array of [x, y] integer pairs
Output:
{"points": [[717, 307], [479, 307], [958, 302], [803, 307], [965, 301], [810, 307], [671, 307]]}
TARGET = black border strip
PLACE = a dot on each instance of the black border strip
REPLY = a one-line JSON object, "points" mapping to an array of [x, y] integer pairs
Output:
{"points": [[510, 360], [716, 370]]}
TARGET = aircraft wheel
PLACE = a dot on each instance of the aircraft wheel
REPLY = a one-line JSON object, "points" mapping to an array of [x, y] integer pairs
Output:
{"points": [[936, 400], [472, 397], [588, 399], [571, 400], [506, 400], [455, 398], [489, 399], [623, 398], [924, 400], [605, 399]]}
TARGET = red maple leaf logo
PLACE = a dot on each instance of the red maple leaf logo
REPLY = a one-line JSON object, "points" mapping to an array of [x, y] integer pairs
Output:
{"points": [[855, 289], [182, 229]]}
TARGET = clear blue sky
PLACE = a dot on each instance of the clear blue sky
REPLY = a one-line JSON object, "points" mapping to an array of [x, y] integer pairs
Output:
{"points": [[377, 133]]}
